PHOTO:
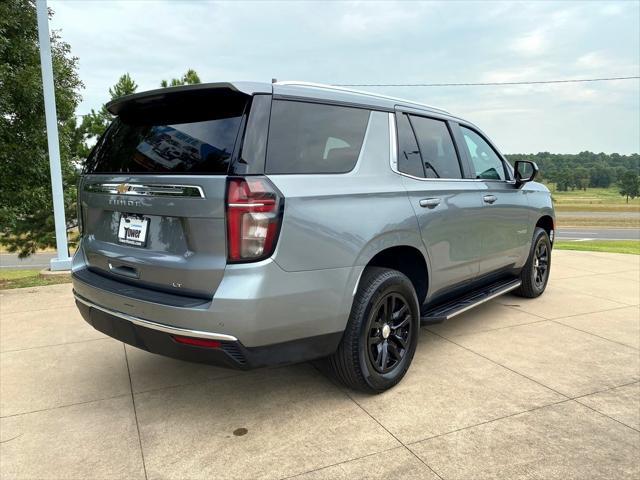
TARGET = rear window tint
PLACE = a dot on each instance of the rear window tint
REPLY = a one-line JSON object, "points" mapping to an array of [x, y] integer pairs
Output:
{"points": [[170, 140], [314, 138]]}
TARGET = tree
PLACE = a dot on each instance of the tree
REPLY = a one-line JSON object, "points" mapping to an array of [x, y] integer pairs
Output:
{"points": [[563, 180], [601, 176], [124, 86], [630, 185], [189, 78], [26, 219], [581, 178], [581, 170], [95, 123]]}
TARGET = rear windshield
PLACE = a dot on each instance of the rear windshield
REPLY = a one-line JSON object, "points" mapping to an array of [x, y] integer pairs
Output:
{"points": [[177, 137], [314, 138]]}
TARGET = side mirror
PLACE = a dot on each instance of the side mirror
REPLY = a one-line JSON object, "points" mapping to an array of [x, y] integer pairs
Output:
{"points": [[525, 171]]}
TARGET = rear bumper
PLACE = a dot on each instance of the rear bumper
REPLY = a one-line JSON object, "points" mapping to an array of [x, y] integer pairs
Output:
{"points": [[158, 338], [259, 303]]}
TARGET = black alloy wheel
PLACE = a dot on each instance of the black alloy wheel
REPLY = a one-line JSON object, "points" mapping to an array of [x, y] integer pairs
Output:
{"points": [[535, 273], [389, 332], [381, 336], [540, 264]]}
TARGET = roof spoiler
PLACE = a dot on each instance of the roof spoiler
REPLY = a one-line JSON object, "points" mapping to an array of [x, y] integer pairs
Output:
{"points": [[136, 100]]}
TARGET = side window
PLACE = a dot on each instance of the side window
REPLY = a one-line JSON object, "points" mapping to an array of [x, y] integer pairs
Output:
{"points": [[486, 162], [314, 138], [436, 147], [409, 160]]}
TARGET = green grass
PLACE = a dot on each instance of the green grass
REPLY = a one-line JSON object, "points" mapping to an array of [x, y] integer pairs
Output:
{"points": [[611, 246], [18, 278]]}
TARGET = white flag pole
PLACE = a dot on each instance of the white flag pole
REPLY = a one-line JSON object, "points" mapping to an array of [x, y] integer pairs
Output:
{"points": [[62, 261]]}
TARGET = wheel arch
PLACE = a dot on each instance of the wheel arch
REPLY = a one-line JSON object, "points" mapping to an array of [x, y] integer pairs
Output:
{"points": [[547, 223], [408, 260]]}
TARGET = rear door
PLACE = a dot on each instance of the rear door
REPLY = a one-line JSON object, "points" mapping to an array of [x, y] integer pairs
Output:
{"points": [[153, 194], [506, 224], [446, 204]]}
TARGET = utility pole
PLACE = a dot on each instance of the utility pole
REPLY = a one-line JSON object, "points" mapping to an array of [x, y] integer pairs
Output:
{"points": [[62, 261]]}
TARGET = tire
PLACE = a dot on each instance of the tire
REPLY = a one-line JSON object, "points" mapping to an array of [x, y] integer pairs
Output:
{"points": [[377, 347], [534, 281]]}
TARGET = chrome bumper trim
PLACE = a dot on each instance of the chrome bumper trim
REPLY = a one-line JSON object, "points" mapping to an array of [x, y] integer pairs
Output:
{"points": [[157, 326]]}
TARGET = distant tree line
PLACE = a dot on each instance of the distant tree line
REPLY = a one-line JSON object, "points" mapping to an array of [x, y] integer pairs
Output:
{"points": [[583, 170]]}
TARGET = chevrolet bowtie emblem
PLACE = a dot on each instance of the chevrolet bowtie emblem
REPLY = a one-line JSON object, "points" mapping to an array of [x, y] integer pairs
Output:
{"points": [[122, 188]]}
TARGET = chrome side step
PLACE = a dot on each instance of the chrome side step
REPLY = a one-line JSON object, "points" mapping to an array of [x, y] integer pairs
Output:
{"points": [[445, 311]]}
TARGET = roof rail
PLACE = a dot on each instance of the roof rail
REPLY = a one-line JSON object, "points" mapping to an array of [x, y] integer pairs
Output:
{"points": [[359, 92]]}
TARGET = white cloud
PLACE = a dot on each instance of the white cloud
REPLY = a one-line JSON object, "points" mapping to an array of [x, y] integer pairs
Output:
{"points": [[612, 9], [533, 43], [592, 60], [370, 20], [366, 22]]}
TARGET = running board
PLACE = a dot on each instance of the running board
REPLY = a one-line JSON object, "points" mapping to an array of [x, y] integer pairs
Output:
{"points": [[445, 311]]}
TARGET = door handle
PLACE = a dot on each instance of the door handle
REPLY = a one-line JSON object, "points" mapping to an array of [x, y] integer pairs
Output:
{"points": [[489, 199], [429, 202]]}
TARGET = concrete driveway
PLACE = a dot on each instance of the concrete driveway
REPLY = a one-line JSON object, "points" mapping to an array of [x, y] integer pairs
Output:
{"points": [[545, 388]]}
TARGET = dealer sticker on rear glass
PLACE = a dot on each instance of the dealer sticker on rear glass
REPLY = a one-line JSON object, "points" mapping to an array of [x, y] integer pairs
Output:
{"points": [[133, 230]]}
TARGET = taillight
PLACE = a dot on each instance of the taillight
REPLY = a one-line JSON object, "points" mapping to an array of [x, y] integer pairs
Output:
{"points": [[254, 211]]}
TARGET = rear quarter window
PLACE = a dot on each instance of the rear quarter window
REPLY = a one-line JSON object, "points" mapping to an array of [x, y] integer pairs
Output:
{"points": [[314, 138]]}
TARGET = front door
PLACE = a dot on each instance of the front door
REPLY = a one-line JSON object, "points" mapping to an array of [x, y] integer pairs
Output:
{"points": [[506, 227]]}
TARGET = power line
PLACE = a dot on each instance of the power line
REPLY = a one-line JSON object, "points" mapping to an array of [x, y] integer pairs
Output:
{"points": [[539, 82], [478, 84]]}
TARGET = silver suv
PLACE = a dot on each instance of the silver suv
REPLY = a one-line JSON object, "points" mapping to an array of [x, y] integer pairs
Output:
{"points": [[254, 224]]}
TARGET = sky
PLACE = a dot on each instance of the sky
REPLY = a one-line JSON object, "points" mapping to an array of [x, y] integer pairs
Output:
{"points": [[389, 42]]}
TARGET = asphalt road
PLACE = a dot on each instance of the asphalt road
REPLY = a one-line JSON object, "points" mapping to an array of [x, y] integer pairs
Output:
{"points": [[41, 260], [37, 261], [590, 233]]}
